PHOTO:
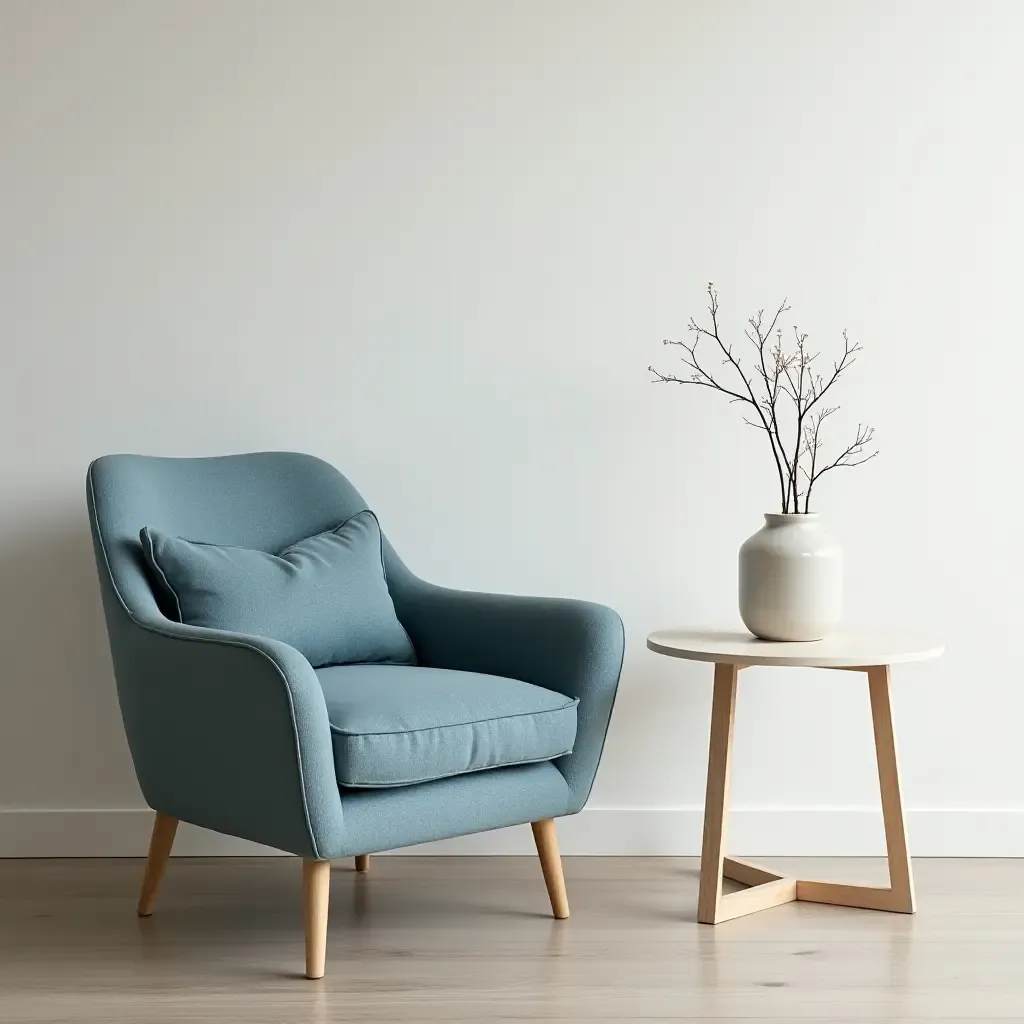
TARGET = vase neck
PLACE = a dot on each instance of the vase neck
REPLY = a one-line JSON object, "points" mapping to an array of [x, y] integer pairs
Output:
{"points": [[775, 519]]}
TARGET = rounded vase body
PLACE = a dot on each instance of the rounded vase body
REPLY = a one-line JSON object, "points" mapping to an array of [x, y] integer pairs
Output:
{"points": [[791, 579]]}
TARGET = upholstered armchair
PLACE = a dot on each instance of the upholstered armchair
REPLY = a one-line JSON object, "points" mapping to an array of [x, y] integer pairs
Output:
{"points": [[240, 734]]}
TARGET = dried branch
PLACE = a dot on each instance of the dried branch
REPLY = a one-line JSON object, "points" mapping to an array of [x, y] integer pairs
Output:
{"points": [[702, 377], [812, 445], [776, 373], [852, 455], [772, 385]]}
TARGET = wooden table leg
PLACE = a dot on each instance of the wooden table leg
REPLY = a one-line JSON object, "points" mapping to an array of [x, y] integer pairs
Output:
{"points": [[766, 888], [898, 897], [901, 878], [716, 799]]}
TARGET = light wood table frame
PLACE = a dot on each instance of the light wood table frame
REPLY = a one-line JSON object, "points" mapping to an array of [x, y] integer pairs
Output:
{"points": [[766, 888]]}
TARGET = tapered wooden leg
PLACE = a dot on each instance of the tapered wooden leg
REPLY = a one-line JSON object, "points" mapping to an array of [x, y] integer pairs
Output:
{"points": [[901, 879], [363, 862], [716, 800], [160, 844], [316, 891], [546, 838]]}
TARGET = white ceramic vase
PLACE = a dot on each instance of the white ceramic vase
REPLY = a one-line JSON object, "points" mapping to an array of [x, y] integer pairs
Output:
{"points": [[791, 579]]}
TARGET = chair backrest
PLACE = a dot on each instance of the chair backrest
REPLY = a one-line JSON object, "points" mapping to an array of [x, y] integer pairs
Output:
{"points": [[265, 500]]}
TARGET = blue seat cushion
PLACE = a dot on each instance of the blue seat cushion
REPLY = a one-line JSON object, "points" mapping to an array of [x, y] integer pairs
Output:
{"points": [[394, 725]]}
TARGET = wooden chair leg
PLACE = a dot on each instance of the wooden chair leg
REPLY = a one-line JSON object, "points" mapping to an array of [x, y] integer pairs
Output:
{"points": [[363, 863], [160, 844], [716, 801], [316, 891], [546, 838]]}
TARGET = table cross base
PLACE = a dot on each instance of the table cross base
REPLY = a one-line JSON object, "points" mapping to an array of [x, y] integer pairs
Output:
{"points": [[768, 888]]}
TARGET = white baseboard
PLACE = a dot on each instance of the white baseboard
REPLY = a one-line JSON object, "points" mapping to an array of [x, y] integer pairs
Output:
{"points": [[675, 832]]}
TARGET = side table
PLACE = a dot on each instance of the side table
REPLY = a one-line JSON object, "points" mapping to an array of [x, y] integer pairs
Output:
{"points": [[872, 652]]}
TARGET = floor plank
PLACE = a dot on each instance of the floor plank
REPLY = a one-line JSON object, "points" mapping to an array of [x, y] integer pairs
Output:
{"points": [[470, 939]]}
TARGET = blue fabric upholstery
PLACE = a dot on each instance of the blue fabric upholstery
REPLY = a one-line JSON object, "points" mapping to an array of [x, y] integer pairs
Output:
{"points": [[385, 819], [326, 595], [394, 726], [231, 731], [572, 647]]}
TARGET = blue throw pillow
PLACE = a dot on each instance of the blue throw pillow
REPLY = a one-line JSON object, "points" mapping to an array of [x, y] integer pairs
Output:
{"points": [[326, 596]]}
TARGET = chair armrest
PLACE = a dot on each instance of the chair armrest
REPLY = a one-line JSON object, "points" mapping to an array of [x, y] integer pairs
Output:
{"points": [[571, 647], [228, 731]]}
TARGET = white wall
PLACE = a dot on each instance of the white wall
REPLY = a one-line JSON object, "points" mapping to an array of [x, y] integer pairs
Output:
{"points": [[438, 243]]}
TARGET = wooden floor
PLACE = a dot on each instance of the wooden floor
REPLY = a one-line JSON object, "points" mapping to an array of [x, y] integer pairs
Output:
{"points": [[471, 939]]}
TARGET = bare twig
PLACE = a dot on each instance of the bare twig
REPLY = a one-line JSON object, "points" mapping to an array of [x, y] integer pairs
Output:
{"points": [[702, 377], [777, 372], [772, 388], [852, 455]]}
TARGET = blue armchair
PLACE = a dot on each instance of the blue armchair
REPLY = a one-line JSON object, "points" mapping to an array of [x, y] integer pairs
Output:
{"points": [[238, 733]]}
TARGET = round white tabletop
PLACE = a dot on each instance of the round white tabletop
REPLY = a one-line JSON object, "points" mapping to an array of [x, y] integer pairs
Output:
{"points": [[853, 649]]}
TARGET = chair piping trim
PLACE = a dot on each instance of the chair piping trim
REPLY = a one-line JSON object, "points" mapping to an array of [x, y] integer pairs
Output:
{"points": [[572, 702]]}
